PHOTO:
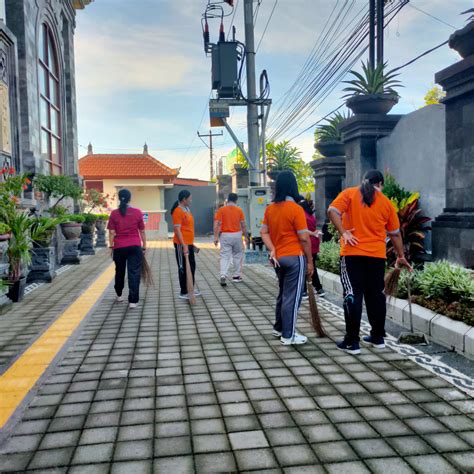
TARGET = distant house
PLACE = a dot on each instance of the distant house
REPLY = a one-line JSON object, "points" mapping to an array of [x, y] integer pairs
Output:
{"points": [[145, 176]]}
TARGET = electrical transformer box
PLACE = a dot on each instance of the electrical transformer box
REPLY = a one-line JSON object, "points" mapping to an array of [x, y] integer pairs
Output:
{"points": [[224, 68], [259, 197]]}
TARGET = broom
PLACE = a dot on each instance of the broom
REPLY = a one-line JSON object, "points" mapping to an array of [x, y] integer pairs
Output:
{"points": [[146, 274], [391, 281], [189, 281], [313, 309]]}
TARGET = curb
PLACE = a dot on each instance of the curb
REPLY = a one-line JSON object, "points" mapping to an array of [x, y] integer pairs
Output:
{"points": [[454, 335]]}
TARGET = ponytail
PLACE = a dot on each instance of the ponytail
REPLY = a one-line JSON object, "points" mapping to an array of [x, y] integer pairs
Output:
{"points": [[124, 196], [367, 188], [184, 194]]}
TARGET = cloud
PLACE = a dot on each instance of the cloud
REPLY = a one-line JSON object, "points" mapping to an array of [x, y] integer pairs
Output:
{"points": [[146, 59]]}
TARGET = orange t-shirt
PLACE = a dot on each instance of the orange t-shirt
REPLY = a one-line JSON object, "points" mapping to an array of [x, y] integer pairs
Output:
{"points": [[185, 220], [371, 224], [230, 217], [285, 220]]}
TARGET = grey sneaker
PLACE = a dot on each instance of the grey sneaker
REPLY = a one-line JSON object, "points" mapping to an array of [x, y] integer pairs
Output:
{"points": [[276, 333], [197, 292], [295, 340], [133, 305], [184, 296], [119, 299], [223, 282]]}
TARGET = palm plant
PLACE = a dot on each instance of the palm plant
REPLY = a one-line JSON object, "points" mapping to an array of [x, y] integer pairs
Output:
{"points": [[330, 130], [19, 245], [282, 156], [42, 230], [372, 81]]}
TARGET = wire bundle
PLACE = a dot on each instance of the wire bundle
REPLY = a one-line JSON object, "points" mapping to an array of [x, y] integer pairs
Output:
{"points": [[338, 47]]}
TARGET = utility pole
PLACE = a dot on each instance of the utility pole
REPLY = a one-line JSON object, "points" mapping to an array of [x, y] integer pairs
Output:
{"points": [[252, 110], [380, 25], [210, 135], [372, 33]]}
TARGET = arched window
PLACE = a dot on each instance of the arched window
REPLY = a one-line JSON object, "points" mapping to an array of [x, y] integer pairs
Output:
{"points": [[50, 100]]}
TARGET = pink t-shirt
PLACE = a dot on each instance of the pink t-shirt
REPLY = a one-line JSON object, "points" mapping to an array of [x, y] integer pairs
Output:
{"points": [[126, 227]]}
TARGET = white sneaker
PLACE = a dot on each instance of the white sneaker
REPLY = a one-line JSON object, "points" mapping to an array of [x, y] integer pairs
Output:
{"points": [[184, 296], [119, 299], [276, 333], [133, 305], [295, 340], [197, 292]]}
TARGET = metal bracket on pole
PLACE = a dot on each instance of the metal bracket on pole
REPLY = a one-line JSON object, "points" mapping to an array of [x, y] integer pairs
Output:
{"points": [[236, 140]]}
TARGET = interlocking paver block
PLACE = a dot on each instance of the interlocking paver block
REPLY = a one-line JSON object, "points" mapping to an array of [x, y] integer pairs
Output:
{"points": [[334, 451], [253, 459], [445, 442], [296, 455], [135, 432], [410, 445], [93, 453], [321, 433], [356, 430], [248, 440], [213, 462], [372, 448], [173, 446], [354, 467], [284, 436], [179, 464], [137, 467], [389, 466], [51, 458], [133, 450], [210, 443], [431, 463]]}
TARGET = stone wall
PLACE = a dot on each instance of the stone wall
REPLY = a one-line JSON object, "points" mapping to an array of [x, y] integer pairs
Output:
{"points": [[415, 154]]}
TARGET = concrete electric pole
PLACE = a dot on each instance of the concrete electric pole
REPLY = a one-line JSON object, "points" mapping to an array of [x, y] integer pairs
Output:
{"points": [[211, 156], [252, 109]]}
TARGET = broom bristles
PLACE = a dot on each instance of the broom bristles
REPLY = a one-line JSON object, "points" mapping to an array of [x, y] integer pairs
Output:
{"points": [[313, 309], [391, 282], [146, 274]]}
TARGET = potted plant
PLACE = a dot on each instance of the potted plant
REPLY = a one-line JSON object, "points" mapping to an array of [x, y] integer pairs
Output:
{"points": [[18, 253], [373, 91], [43, 254], [101, 222], [463, 40], [72, 226], [329, 136], [88, 225], [5, 232]]}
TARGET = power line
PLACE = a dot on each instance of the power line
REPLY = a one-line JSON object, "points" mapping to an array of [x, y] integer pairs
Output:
{"points": [[266, 26], [135, 149], [421, 55], [432, 16], [233, 17]]}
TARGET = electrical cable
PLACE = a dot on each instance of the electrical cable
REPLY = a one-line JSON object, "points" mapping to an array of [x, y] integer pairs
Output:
{"points": [[432, 16], [266, 26]]}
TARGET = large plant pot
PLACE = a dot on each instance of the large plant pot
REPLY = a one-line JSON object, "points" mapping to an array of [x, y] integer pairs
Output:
{"points": [[372, 103], [330, 148], [16, 292], [43, 267], [101, 225], [88, 228], [71, 230], [463, 40], [273, 175]]}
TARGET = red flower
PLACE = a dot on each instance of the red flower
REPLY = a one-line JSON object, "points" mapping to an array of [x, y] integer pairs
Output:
{"points": [[25, 187], [11, 170], [28, 181], [4, 170]]}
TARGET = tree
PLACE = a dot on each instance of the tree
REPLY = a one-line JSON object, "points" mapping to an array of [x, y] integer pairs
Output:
{"points": [[434, 95], [281, 156], [305, 177]]}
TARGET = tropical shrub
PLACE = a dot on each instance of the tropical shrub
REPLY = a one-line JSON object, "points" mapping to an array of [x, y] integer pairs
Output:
{"points": [[19, 245], [330, 130], [94, 199], [329, 257], [74, 218], [372, 81], [282, 156], [4, 228], [89, 218], [413, 224], [102, 217]]}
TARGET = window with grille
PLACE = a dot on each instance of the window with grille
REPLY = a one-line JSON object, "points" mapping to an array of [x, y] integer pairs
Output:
{"points": [[50, 100]]}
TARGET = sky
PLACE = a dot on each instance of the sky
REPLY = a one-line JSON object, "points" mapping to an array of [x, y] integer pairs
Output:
{"points": [[142, 75]]}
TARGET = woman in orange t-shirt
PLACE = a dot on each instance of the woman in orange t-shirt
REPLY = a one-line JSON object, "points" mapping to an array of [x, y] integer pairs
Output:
{"points": [[285, 234], [183, 225], [364, 217]]}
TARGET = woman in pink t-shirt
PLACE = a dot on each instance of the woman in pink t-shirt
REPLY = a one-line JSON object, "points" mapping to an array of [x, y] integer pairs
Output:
{"points": [[127, 240]]}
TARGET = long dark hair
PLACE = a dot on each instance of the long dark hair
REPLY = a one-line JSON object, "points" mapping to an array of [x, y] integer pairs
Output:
{"points": [[124, 196], [184, 194], [306, 205], [367, 188], [286, 185]]}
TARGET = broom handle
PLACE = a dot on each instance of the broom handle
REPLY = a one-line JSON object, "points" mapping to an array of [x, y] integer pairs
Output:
{"points": [[409, 302]]}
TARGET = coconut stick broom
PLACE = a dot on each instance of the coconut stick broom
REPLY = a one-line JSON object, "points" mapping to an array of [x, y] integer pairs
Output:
{"points": [[146, 274], [313, 309], [189, 281]]}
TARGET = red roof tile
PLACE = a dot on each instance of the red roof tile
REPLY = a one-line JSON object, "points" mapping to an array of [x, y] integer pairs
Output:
{"points": [[123, 166]]}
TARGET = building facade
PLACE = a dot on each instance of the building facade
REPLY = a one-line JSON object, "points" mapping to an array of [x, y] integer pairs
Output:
{"points": [[39, 125]]}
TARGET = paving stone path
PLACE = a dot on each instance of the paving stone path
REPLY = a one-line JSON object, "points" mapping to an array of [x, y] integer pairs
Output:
{"points": [[169, 388]]}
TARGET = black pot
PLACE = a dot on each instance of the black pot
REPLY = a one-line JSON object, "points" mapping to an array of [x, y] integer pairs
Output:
{"points": [[463, 40], [273, 175], [88, 228], [329, 148], [372, 103], [16, 290]]}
